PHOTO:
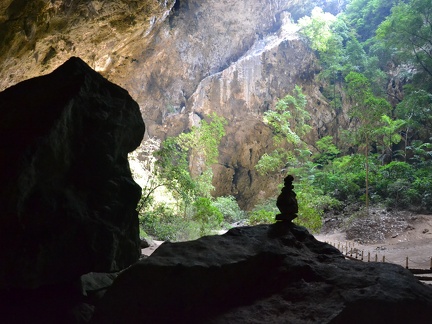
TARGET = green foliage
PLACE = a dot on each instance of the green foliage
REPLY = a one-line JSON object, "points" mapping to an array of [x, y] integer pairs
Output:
{"points": [[229, 208], [261, 216], [402, 185], [203, 140], [421, 153], [366, 15], [408, 33], [142, 163], [276, 160], [199, 146], [174, 169], [397, 184], [187, 211], [343, 178], [288, 122], [317, 29], [289, 118], [207, 215], [415, 109], [312, 203], [263, 213], [327, 151], [353, 71], [389, 134], [357, 59], [366, 108], [422, 185], [162, 223]]}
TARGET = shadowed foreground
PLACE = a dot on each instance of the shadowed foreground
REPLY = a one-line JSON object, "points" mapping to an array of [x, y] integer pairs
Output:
{"points": [[263, 274]]}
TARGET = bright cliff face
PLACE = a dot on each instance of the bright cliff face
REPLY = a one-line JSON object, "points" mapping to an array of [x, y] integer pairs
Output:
{"points": [[180, 60]]}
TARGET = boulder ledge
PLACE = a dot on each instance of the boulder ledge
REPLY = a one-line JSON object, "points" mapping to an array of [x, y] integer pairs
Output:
{"points": [[67, 197], [262, 274]]}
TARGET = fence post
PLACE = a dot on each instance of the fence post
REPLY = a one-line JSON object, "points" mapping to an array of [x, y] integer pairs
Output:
{"points": [[430, 264], [368, 256], [376, 257], [383, 258], [406, 263], [362, 254]]}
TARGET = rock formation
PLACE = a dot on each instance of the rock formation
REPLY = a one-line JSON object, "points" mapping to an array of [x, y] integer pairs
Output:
{"points": [[67, 197], [180, 60], [264, 274]]}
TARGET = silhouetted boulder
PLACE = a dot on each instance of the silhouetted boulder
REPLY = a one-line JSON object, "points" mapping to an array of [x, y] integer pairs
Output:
{"points": [[263, 274], [67, 197]]}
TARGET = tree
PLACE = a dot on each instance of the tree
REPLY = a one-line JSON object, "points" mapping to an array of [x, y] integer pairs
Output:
{"points": [[197, 148], [173, 169], [317, 28], [327, 151], [415, 109], [143, 165], [366, 110], [288, 122], [408, 32], [207, 215], [366, 15], [389, 134], [333, 61], [167, 172], [202, 147]]}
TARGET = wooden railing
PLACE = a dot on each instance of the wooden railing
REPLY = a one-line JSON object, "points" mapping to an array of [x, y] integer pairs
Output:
{"points": [[354, 253]]}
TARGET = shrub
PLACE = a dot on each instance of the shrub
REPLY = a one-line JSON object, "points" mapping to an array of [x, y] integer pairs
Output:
{"points": [[161, 223], [422, 185], [164, 224], [261, 216], [208, 216], [263, 213], [312, 204], [229, 208]]}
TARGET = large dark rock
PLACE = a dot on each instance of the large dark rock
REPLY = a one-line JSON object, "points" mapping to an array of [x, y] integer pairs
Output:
{"points": [[264, 274], [67, 197]]}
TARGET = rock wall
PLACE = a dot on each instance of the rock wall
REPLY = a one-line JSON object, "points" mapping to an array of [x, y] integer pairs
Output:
{"points": [[180, 60], [236, 60], [67, 199]]}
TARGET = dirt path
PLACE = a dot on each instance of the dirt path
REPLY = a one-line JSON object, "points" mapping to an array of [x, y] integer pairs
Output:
{"points": [[407, 235]]}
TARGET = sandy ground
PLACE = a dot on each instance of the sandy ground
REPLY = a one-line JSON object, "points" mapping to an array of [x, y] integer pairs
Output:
{"points": [[153, 246], [410, 237]]}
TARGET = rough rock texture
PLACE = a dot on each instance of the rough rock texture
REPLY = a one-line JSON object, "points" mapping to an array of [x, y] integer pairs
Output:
{"points": [[181, 60], [67, 197], [264, 274], [234, 58]]}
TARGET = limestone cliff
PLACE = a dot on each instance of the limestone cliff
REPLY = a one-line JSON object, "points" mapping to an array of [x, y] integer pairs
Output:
{"points": [[180, 60]]}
